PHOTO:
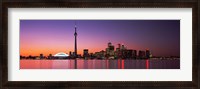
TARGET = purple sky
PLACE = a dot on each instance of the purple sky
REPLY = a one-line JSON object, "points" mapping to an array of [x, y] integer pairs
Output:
{"points": [[161, 37]]}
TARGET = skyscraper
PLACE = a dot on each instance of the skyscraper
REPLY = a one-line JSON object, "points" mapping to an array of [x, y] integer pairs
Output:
{"points": [[148, 53], [85, 53], [110, 50], [141, 54], [41, 56], [75, 45], [134, 54]]}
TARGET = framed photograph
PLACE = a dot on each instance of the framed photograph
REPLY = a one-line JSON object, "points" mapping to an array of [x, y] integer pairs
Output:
{"points": [[132, 44]]}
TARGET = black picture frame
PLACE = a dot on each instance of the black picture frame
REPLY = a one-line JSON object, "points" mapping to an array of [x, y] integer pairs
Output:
{"points": [[194, 4]]}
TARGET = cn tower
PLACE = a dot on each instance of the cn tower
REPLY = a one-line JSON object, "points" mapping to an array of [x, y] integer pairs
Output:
{"points": [[75, 45]]}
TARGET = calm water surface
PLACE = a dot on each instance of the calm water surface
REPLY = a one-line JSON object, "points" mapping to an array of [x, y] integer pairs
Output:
{"points": [[100, 64]]}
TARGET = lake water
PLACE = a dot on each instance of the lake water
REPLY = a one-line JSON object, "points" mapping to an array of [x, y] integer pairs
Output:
{"points": [[99, 64]]}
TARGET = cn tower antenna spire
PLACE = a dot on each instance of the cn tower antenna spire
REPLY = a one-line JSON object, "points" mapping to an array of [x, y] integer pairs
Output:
{"points": [[75, 26]]}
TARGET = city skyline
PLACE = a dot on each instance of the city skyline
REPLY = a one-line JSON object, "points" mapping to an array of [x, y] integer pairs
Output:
{"points": [[162, 37]]}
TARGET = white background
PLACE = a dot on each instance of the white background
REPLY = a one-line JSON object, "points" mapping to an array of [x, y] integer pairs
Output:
{"points": [[182, 74]]}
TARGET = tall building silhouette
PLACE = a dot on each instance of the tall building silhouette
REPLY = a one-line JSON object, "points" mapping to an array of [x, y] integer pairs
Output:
{"points": [[85, 53], [75, 45]]}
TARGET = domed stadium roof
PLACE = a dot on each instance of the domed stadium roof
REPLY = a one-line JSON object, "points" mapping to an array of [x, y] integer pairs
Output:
{"points": [[61, 54]]}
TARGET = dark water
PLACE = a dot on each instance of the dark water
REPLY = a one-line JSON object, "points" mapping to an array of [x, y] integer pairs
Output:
{"points": [[100, 64]]}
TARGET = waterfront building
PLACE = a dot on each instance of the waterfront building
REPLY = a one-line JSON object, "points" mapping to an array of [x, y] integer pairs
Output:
{"points": [[134, 54], [148, 53], [129, 54], [102, 53], [41, 56], [61, 55], [119, 46], [123, 47], [92, 56], [97, 55], [85, 53], [70, 53], [141, 54], [110, 50], [50, 56], [118, 52]]}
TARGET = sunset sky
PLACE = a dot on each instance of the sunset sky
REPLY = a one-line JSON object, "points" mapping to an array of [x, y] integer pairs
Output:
{"points": [[161, 37]]}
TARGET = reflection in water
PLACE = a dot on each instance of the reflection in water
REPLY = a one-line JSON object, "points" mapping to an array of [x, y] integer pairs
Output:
{"points": [[100, 64]]}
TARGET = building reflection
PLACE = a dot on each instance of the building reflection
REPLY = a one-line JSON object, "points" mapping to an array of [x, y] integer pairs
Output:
{"points": [[100, 64]]}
